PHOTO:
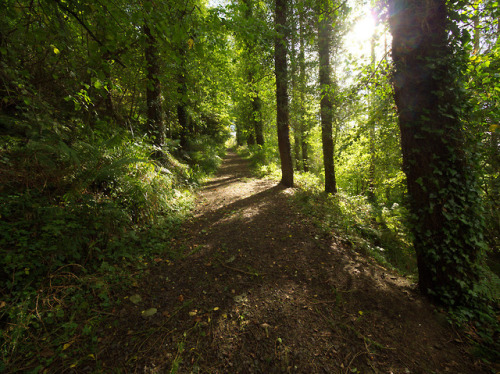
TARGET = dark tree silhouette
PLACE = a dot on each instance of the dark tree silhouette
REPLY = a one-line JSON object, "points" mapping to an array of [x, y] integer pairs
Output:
{"points": [[282, 115], [446, 227]]}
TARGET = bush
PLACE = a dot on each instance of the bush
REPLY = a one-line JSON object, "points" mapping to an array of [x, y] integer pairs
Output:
{"points": [[75, 216]]}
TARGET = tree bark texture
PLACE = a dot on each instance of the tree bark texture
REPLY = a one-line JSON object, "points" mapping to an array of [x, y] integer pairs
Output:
{"points": [[295, 122], [257, 119], [325, 82], [256, 135], [446, 224], [182, 114], [282, 110], [302, 88], [154, 98]]}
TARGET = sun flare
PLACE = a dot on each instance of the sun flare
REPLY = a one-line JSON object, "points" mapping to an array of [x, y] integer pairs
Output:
{"points": [[363, 29]]}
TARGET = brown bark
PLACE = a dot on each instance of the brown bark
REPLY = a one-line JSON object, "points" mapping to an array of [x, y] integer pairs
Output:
{"points": [[325, 82], [371, 124], [295, 104], [182, 114], [256, 135], [302, 89], [257, 119], [282, 111], [154, 99]]}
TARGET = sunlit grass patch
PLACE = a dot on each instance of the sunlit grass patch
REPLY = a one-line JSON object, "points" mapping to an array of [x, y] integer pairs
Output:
{"points": [[376, 230]]}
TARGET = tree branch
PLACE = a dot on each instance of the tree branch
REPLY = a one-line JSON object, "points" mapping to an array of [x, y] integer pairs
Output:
{"points": [[92, 35]]}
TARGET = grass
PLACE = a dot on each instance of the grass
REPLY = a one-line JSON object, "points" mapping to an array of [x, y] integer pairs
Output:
{"points": [[378, 231]]}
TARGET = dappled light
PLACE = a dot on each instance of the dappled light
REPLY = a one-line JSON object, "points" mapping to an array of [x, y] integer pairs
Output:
{"points": [[261, 289], [249, 186]]}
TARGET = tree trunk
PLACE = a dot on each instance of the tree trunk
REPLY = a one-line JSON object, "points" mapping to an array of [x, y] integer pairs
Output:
{"points": [[447, 227], [302, 88], [325, 83], [250, 138], [257, 119], [182, 114], [295, 104], [477, 32], [282, 113], [154, 99], [256, 132], [371, 124]]}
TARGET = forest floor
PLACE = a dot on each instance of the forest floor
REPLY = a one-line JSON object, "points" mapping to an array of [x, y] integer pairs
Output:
{"points": [[259, 290]]}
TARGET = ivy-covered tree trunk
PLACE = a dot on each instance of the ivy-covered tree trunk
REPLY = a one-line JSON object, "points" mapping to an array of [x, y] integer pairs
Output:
{"points": [[325, 82], [282, 111], [444, 202], [154, 99]]}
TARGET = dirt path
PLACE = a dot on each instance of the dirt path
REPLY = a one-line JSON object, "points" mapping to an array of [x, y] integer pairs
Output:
{"points": [[259, 291]]}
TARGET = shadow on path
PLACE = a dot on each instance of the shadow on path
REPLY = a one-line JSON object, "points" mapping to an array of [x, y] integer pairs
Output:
{"points": [[259, 290]]}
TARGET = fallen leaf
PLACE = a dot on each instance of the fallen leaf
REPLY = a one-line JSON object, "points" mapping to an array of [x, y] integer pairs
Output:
{"points": [[148, 313], [136, 299], [181, 298], [193, 313]]}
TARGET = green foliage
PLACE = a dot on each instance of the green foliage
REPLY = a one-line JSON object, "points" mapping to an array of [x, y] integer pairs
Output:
{"points": [[377, 230], [74, 221], [205, 156], [264, 160], [86, 199]]}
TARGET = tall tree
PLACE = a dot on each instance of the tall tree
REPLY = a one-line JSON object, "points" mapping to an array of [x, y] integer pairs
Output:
{"points": [[182, 101], [256, 104], [257, 118], [282, 110], [302, 89], [154, 99], [325, 31], [447, 227], [295, 122]]}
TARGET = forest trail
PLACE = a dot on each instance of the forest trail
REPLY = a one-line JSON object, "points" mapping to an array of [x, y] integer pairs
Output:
{"points": [[258, 290]]}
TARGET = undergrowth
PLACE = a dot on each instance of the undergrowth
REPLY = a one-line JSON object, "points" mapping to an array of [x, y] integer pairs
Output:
{"points": [[377, 230], [382, 232], [78, 222]]}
